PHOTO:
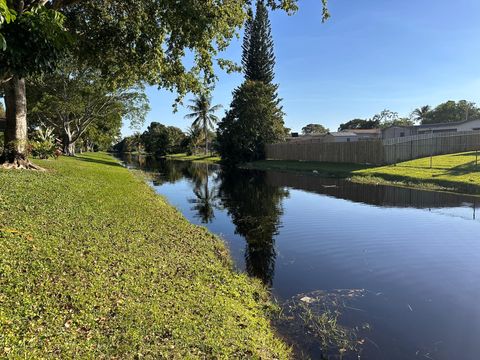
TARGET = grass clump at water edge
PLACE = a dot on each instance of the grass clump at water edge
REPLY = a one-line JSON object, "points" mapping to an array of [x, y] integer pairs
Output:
{"points": [[195, 158]]}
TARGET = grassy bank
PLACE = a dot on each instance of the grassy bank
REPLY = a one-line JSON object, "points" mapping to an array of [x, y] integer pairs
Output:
{"points": [[194, 158], [337, 170], [453, 172], [93, 264]]}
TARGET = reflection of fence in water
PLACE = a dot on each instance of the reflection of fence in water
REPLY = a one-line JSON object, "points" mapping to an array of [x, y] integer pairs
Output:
{"points": [[445, 203], [377, 152]]}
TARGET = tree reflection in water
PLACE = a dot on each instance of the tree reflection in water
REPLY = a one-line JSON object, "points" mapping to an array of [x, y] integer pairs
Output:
{"points": [[254, 204], [206, 195], [255, 208]]}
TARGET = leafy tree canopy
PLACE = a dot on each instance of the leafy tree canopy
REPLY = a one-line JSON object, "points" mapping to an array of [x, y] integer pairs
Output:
{"points": [[311, 129], [7, 15], [359, 124], [388, 118], [159, 139], [254, 120], [452, 111], [72, 101], [136, 40], [36, 30]]}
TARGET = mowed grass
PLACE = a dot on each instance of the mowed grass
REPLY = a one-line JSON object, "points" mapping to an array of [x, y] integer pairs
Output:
{"points": [[93, 264], [457, 172], [325, 169], [452, 172], [194, 158]]}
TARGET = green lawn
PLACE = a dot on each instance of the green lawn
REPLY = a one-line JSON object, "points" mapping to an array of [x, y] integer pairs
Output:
{"points": [[453, 172], [195, 158], [321, 168], [457, 172], [94, 264]]}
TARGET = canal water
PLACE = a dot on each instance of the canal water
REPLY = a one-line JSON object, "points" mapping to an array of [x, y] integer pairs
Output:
{"points": [[398, 268]]}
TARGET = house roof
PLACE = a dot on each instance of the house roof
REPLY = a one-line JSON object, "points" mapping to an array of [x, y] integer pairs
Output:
{"points": [[365, 131], [436, 125], [456, 123], [342, 133], [307, 138]]}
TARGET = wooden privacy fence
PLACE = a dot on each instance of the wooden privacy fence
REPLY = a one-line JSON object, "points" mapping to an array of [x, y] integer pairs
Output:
{"points": [[414, 147], [377, 152], [361, 152]]}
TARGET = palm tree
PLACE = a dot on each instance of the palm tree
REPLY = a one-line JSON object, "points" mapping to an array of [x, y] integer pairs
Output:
{"points": [[421, 114], [203, 114], [194, 134]]}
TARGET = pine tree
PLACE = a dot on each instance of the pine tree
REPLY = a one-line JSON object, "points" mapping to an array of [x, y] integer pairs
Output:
{"points": [[259, 58], [255, 117], [246, 39]]}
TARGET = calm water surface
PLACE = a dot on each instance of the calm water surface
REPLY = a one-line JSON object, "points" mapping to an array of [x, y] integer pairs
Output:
{"points": [[410, 258]]}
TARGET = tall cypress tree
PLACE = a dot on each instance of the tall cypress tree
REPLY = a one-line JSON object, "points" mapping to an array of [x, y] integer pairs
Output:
{"points": [[255, 117], [258, 54]]}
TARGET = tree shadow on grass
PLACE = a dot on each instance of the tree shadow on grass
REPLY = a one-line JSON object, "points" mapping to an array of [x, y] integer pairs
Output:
{"points": [[463, 169], [472, 153], [98, 161]]}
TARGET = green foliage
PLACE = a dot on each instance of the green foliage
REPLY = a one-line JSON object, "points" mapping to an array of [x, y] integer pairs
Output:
{"points": [[43, 144], [7, 15], [383, 119], [359, 124], [38, 31], [258, 58], [311, 129], [102, 134], [94, 264], [194, 158], [80, 106], [42, 149], [452, 111], [193, 140], [203, 115], [147, 40], [255, 117], [254, 120], [160, 140], [421, 114], [388, 118]]}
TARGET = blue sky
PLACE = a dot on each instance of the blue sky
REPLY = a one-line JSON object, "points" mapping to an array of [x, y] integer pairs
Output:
{"points": [[371, 55]]}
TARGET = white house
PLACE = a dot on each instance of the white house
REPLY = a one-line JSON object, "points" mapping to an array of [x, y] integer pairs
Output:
{"points": [[341, 136], [401, 131]]}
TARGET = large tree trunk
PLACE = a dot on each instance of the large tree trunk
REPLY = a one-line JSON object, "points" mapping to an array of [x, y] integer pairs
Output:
{"points": [[69, 148], [16, 141], [68, 141]]}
